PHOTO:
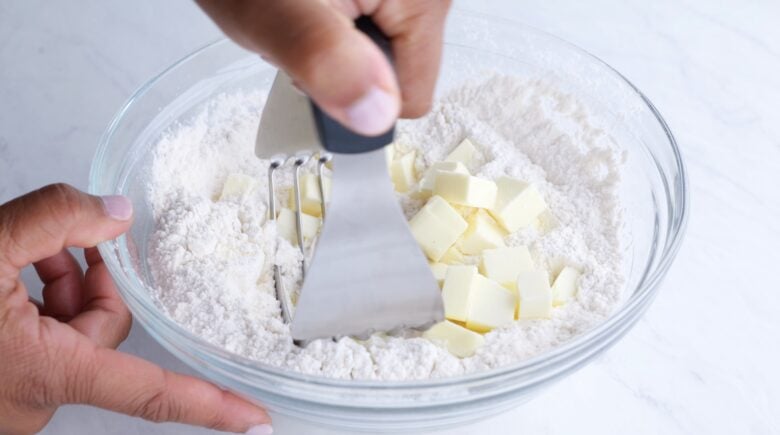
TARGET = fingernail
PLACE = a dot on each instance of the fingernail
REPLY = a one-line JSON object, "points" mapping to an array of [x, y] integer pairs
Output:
{"points": [[373, 113], [263, 429], [118, 207]]}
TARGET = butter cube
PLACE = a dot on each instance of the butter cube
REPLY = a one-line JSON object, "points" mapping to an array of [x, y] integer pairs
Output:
{"points": [[459, 341], [463, 153], [452, 256], [466, 212], [236, 186], [446, 212], [546, 222], [311, 200], [517, 204], [490, 306], [439, 272], [285, 226], [464, 189], [402, 172], [565, 285], [428, 181], [458, 284], [436, 227], [389, 155], [482, 233], [535, 295], [504, 265]]}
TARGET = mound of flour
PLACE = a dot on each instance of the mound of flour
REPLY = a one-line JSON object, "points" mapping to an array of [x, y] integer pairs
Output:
{"points": [[211, 259]]}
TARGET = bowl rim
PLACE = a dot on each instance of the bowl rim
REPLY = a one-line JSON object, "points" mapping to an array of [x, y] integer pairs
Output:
{"points": [[637, 302]]}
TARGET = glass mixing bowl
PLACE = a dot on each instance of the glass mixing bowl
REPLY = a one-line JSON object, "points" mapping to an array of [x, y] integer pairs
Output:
{"points": [[653, 190]]}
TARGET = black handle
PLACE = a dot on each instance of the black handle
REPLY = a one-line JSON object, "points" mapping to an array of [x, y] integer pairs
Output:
{"points": [[336, 138]]}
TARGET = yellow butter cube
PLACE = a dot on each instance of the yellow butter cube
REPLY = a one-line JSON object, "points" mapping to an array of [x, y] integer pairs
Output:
{"points": [[546, 222], [459, 341], [534, 295], [458, 285], [439, 272], [389, 155], [311, 200], [428, 181], [445, 211], [431, 234], [504, 265], [565, 285], [517, 204], [236, 186], [512, 287], [402, 172], [482, 233], [464, 189], [463, 153], [436, 227], [416, 193], [286, 227], [490, 306], [452, 256], [464, 211]]}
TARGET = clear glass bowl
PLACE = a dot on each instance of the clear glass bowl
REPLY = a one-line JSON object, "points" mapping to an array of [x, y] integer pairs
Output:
{"points": [[654, 193]]}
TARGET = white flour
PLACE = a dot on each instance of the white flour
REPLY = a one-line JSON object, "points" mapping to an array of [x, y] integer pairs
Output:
{"points": [[212, 259]]}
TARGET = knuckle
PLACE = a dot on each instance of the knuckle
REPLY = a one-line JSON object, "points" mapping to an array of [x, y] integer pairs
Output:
{"points": [[26, 370], [156, 404], [64, 200], [45, 212], [218, 420], [78, 383], [10, 216], [70, 374], [434, 9], [34, 392], [125, 321], [403, 16], [416, 108], [155, 407], [317, 46]]}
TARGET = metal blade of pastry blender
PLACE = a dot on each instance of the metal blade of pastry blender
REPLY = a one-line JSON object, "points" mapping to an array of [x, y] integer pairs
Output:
{"points": [[368, 273], [286, 125]]}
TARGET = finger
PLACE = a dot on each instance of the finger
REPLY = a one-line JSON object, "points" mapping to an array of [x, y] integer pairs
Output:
{"points": [[416, 29], [38, 225], [130, 385], [92, 256], [62, 281], [338, 66], [104, 318]]}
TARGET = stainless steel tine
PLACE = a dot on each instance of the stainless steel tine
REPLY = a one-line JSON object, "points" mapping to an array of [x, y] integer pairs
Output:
{"points": [[281, 293], [299, 161], [321, 162]]}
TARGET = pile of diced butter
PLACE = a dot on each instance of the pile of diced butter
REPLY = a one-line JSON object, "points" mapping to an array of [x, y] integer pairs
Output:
{"points": [[470, 216], [465, 217]]}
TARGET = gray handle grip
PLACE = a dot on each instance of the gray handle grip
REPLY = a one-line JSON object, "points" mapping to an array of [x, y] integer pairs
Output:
{"points": [[337, 138]]}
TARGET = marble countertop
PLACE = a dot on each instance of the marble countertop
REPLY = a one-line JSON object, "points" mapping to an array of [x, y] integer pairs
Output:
{"points": [[704, 359]]}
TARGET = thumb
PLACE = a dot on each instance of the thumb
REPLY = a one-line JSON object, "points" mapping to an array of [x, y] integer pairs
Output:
{"points": [[39, 224], [337, 65]]}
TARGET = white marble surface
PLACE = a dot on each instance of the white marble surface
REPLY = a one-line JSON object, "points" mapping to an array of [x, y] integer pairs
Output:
{"points": [[705, 358]]}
